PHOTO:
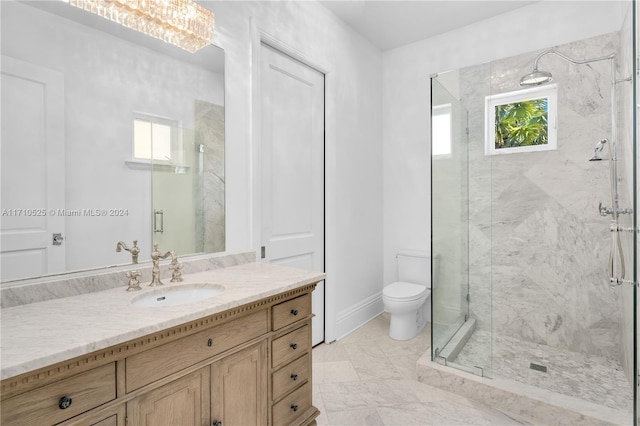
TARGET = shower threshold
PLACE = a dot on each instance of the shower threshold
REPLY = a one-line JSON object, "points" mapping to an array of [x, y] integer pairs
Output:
{"points": [[448, 354]]}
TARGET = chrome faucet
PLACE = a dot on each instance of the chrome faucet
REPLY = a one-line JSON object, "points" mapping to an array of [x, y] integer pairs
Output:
{"points": [[155, 269], [134, 250]]}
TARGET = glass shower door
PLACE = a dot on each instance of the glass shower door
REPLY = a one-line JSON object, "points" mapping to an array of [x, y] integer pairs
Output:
{"points": [[176, 194], [449, 218]]}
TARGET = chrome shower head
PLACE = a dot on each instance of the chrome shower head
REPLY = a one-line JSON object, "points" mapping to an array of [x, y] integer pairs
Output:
{"points": [[597, 150], [536, 78]]}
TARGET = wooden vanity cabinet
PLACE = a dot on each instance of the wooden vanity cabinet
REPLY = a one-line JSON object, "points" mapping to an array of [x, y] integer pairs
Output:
{"points": [[184, 401], [291, 394], [239, 387], [111, 416], [249, 365]]}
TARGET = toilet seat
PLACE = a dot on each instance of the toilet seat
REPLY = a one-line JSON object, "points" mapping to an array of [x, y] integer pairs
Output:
{"points": [[401, 291]]}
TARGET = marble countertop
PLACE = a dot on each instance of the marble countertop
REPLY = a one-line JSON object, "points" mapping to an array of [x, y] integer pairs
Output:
{"points": [[44, 333]]}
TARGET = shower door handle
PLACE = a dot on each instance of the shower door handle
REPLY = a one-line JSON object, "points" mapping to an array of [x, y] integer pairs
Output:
{"points": [[158, 214]]}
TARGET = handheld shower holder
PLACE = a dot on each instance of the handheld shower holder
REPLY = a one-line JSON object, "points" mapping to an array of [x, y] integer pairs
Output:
{"points": [[616, 282]]}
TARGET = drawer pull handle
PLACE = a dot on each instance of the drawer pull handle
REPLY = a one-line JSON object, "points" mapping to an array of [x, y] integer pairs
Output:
{"points": [[65, 402], [294, 407], [216, 423], [294, 312], [293, 346], [294, 377], [210, 343]]}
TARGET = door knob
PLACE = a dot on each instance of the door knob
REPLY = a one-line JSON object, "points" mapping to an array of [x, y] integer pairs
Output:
{"points": [[57, 239]]}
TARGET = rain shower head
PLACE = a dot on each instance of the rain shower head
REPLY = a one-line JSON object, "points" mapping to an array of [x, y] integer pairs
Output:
{"points": [[536, 78]]}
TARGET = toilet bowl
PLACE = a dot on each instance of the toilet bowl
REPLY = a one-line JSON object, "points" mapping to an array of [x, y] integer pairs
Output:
{"points": [[408, 300]]}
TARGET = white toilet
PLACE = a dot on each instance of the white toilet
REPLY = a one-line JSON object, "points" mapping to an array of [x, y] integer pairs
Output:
{"points": [[409, 299]]}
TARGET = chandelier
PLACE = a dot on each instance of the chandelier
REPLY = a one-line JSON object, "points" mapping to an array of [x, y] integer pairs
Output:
{"points": [[182, 23]]}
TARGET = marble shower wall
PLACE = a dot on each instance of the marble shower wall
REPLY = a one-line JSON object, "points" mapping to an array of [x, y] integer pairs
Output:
{"points": [[210, 229], [538, 246]]}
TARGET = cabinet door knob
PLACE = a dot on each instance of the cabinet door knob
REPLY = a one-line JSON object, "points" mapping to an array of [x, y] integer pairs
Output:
{"points": [[294, 312], [210, 343], [294, 377], [293, 346], [216, 423], [65, 402], [294, 407]]}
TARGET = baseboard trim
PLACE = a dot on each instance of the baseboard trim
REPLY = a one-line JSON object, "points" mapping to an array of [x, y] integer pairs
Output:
{"points": [[359, 314]]}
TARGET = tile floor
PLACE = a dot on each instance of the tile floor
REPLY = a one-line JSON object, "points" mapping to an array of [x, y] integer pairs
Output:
{"points": [[590, 378], [367, 378]]}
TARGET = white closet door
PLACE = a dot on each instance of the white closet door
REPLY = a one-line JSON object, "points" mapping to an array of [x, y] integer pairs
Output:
{"points": [[32, 170], [292, 168]]}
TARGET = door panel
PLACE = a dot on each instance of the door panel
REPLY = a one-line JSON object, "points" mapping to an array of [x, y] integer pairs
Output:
{"points": [[185, 401], [292, 168], [239, 387], [32, 169]]}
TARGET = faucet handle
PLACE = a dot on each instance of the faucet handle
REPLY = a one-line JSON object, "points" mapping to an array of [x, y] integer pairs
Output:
{"points": [[134, 284], [176, 274]]}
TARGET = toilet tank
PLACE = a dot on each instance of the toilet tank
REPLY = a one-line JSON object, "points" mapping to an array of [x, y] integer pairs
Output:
{"points": [[414, 267]]}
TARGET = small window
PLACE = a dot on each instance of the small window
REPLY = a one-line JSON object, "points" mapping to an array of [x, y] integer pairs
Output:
{"points": [[441, 131], [154, 139]]}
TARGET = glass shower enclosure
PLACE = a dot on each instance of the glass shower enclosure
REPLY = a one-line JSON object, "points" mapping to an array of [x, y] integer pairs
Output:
{"points": [[450, 239], [534, 223]]}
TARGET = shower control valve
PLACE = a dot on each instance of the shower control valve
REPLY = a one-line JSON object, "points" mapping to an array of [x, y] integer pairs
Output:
{"points": [[604, 211]]}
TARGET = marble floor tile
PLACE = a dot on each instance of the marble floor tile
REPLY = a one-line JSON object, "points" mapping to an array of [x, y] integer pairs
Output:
{"points": [[365, 416], [369, 379], [330, 353], [370, 362], [334, 372]]}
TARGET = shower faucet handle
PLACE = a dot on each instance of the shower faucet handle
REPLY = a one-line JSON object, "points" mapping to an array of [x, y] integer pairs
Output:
{"points": [[604, 211]]}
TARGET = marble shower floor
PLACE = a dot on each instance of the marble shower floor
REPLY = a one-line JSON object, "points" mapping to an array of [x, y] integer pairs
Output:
{"points": [[590, 378], [367, 378]]}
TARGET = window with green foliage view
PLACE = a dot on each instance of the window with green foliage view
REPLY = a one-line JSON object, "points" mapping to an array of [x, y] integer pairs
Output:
{"points": [[520, 124]]}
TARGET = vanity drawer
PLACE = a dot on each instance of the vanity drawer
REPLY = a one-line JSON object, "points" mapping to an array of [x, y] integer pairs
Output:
{"points": [[290, 346], [149, 366], [290, 376], [292, 406], [43, 405], [291, 311]]}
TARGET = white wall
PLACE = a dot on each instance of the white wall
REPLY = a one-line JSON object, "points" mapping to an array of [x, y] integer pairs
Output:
{"points": [[353, 144], [406, 98]]}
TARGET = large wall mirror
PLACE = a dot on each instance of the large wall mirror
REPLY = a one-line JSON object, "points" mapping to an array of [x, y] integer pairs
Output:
{"points": [[108, 136]]}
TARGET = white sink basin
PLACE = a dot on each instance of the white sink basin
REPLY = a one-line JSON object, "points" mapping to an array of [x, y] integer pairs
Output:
{"points": [[178, 295]]}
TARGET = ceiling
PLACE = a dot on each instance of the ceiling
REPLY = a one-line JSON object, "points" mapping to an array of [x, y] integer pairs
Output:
{"points": [[392, 23]]}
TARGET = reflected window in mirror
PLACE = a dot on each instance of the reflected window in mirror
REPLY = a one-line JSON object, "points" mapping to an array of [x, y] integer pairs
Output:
{"points": [[441, 130], [154, 139]]}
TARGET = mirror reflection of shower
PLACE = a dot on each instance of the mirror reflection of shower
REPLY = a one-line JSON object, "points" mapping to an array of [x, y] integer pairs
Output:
{"points": [[536, 78]]}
